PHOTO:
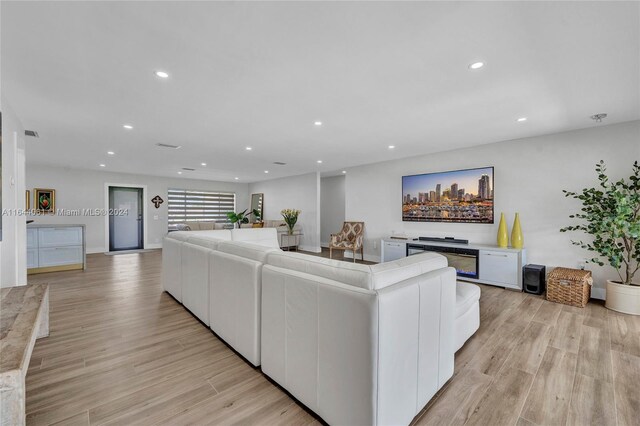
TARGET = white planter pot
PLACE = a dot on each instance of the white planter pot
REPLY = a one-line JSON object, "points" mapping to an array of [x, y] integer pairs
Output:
{"points": [[623, 298]]}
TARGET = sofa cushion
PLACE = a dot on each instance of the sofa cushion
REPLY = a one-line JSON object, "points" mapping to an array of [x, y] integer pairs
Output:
{"points": [[467, 295], [246, 250], [388, 273], [218, 234], [260, 236], [180, 235], [353, 274], [206, 242], [373, 277]]}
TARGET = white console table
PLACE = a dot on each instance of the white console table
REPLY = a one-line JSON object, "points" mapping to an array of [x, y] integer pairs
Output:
{"points": [[55, 248], [496, 266]]}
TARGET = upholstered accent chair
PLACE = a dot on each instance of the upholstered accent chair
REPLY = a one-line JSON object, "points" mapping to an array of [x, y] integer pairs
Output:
{"points": [[349, 238]]}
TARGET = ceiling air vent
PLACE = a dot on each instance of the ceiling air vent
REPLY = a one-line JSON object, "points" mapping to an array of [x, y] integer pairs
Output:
{"points": [[166, 145], [189, 169], [279, 163], [31, 133]]}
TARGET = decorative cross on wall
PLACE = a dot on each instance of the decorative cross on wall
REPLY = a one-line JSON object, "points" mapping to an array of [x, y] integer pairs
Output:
{"points": [[157, 200]]}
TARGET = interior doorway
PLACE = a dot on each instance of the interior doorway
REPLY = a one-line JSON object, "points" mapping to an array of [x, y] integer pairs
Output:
{"points": [[126, 218]]}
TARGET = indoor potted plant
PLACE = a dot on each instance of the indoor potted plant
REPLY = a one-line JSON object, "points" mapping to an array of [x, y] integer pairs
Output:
{"points": [[238, 218], [290, 218], [611, 214]]}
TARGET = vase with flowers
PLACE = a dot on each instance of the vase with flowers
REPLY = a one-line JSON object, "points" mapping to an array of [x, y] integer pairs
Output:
{"points": [[290, 218]]}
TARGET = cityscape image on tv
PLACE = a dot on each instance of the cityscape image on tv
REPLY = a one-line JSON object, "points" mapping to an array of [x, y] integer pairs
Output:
{"points": [[463, 196]]}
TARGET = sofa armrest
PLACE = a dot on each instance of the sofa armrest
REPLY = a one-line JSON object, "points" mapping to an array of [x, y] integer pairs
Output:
{"points": [[416, 343]]}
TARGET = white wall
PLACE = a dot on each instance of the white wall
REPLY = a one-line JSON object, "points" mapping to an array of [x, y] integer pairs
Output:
{"points": [[13, 252], [332, 208], [296, 192], [529, 177], [85, 189]]}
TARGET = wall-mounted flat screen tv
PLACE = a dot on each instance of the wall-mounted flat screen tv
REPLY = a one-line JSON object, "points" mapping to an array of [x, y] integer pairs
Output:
{"points": [[460, 196]]}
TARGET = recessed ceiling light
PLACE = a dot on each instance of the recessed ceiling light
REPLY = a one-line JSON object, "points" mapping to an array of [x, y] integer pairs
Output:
{"points": [[203, 164], [392, 146], [318, 123], [476, 65], [521, 119], [103, 165], [111, 153], [179, 173], [128, 126], [344, 172], [236, 178], [248, 148], [162, 74], [266, 171], [319, 161]]}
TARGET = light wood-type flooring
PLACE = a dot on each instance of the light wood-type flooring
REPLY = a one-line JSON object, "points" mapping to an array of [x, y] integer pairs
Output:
{"points": [[123, 352]]}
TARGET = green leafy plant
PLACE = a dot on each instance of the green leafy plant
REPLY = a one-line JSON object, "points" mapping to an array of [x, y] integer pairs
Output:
{"points": [[611, 214], [238, 218], [290, 217], [257, 215]]}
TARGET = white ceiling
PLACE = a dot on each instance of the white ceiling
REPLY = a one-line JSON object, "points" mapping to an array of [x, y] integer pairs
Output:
{"points": [[259, 74]]}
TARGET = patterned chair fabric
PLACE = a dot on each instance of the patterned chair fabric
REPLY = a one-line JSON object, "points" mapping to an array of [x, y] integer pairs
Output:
{"points": [[349, 238]]}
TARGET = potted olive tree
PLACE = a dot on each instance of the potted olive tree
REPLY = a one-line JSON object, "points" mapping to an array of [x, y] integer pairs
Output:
{"points": [[611, 215]]}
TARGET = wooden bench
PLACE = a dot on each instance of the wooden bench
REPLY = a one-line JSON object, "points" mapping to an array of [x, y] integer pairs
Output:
{"points": [[24, 317]]}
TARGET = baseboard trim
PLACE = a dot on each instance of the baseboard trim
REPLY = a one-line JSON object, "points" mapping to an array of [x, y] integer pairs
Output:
{"points": [[598, 293], [59, 268]]}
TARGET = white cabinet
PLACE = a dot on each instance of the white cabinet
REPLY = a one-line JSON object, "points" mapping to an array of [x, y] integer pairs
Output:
{"points": [[32, 258], [56, 256], [55, 248], [59, 237], [500, 268], [392, 250], [494, 265], [32, 238]]}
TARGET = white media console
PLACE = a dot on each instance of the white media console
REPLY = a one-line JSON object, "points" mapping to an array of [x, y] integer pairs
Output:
{"points": [[475, 263]]}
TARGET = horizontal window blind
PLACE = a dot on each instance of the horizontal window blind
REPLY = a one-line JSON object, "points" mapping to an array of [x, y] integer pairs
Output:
{"points": [[186, 205]]}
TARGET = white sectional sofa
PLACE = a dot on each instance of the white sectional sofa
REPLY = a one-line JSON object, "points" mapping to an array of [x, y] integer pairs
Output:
{"points": [[356, 344], [359, 345], [467, 312], [236, 295], [217, 276], [172, 257]]}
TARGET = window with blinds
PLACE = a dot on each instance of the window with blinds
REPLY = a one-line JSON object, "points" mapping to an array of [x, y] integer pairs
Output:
{"points": [[186, 205]]}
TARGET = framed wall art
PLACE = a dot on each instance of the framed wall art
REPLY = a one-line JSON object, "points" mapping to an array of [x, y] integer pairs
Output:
{"points": [[45, 200]]}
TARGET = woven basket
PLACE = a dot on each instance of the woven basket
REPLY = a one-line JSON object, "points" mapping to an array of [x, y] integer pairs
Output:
{"points": [[569, 286]]}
